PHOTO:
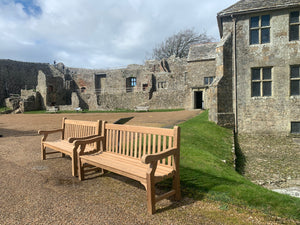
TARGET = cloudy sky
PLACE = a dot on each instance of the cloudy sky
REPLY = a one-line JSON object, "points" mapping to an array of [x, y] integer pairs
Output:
{"points": [[98, 33]]}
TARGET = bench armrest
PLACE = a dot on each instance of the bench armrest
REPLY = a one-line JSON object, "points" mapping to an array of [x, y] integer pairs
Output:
{"points": [[158, 156], [47, 132], [83, 142], [72, 139]]}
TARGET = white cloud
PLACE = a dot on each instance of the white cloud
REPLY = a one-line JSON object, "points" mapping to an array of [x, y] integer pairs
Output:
{"points": [[98, 34]]}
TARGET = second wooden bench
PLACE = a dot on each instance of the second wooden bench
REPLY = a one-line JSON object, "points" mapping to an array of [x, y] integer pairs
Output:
{"points": [[71, 131]]}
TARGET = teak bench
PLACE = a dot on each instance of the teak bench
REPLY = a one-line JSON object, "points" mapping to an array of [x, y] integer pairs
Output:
{"points": [[146, 154], [71, 131]]}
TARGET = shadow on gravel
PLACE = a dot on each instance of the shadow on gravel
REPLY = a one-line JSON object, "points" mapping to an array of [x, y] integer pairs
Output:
{"points": [[17, 133], [123, 120], [160, 188]]}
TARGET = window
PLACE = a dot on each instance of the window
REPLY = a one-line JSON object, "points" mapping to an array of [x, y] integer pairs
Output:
{"points": [[295, 80], [162, 84], [130, 83], [82, 89], [208, 80], [294, 26], [145, 87], [260, 29], [295, 127], [261, 81]]}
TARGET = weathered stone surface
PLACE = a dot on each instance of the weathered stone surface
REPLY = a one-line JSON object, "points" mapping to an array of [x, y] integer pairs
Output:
{"points": [[270, 160]]}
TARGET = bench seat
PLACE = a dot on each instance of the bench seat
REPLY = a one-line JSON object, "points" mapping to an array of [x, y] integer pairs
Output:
{"points": [[127, 166], [62, 146]]}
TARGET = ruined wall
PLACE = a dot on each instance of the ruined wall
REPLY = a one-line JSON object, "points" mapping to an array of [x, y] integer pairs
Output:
{"points": [[15, 76], [273, 113], [157, 86], [46, 79]]}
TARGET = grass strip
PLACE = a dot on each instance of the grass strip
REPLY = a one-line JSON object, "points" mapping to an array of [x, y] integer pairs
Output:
{"points": [[207, 171]]}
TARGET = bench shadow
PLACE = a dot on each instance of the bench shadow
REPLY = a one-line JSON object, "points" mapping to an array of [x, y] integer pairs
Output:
{"points": [[160, 188], [17, 133], [123, 120]]}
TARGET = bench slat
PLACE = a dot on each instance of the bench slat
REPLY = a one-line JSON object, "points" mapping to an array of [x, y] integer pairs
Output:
{"points": [[140, 129]]}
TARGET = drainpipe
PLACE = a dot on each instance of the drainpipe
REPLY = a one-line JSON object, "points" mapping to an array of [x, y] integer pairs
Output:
{"points": [[235, 75]]}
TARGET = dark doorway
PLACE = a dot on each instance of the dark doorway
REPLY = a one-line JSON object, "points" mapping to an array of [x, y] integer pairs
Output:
{"points": [[198, 99]]}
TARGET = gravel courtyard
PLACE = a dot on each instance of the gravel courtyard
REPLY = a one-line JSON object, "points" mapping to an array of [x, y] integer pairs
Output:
{"points": [[44, 192]]}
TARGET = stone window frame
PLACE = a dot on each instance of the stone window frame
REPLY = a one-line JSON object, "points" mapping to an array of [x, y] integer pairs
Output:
{"points": [[262, 81], [295, 127], [294, 79], [208, 80], [130, 83], [296, 24], [259, 28]]}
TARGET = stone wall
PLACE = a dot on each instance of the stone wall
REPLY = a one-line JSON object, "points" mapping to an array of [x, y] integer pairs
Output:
{"points": [[46, 79], [201, 64], [220, 93], [158, 85], [15, 76], [276, 112]]}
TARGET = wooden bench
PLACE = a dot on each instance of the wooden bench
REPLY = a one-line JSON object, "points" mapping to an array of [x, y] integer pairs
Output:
{"points": [[52, 109], [71, 131], [146, 154], [141, 108]]}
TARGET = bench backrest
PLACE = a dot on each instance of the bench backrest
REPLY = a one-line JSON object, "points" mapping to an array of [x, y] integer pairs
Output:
{"points": [[80, 128], [136, 141]]}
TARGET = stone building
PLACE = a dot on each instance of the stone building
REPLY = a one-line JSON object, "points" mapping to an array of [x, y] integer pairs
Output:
{"points": [[265, 67], [250, 80]]}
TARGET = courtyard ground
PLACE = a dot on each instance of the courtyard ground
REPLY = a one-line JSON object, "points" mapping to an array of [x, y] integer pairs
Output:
{"points": [[44, 192]]}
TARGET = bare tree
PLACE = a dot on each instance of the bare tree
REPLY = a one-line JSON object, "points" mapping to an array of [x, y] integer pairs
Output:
{"points": [[179, 44]]}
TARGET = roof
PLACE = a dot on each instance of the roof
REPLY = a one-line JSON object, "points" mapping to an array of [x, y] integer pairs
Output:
{"points": [[248, 6], [202, 52]]}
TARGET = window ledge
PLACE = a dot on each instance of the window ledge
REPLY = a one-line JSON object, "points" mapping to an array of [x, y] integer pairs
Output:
{"points": [[261, 97], [295, 97], [262, 44]]}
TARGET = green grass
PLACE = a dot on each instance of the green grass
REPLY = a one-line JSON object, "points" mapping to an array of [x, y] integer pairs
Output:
{"points": [[98, 111], [2, 109], [203, 174]]}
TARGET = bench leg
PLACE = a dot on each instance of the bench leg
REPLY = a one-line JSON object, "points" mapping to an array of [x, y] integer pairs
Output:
{"points": [[43, 151], [176, 186], [150, 195], [74, 165], [80, 170]]}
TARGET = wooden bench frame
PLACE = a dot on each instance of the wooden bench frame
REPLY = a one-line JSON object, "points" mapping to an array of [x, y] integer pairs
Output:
{"points": [[146, 154], [71, 131]]}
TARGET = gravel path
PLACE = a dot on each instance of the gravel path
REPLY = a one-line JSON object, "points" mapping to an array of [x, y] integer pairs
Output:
{"points": [[33, 191]]}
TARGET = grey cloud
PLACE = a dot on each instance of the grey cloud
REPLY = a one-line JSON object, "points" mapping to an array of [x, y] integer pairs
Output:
{"points": [[100, 34]]}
